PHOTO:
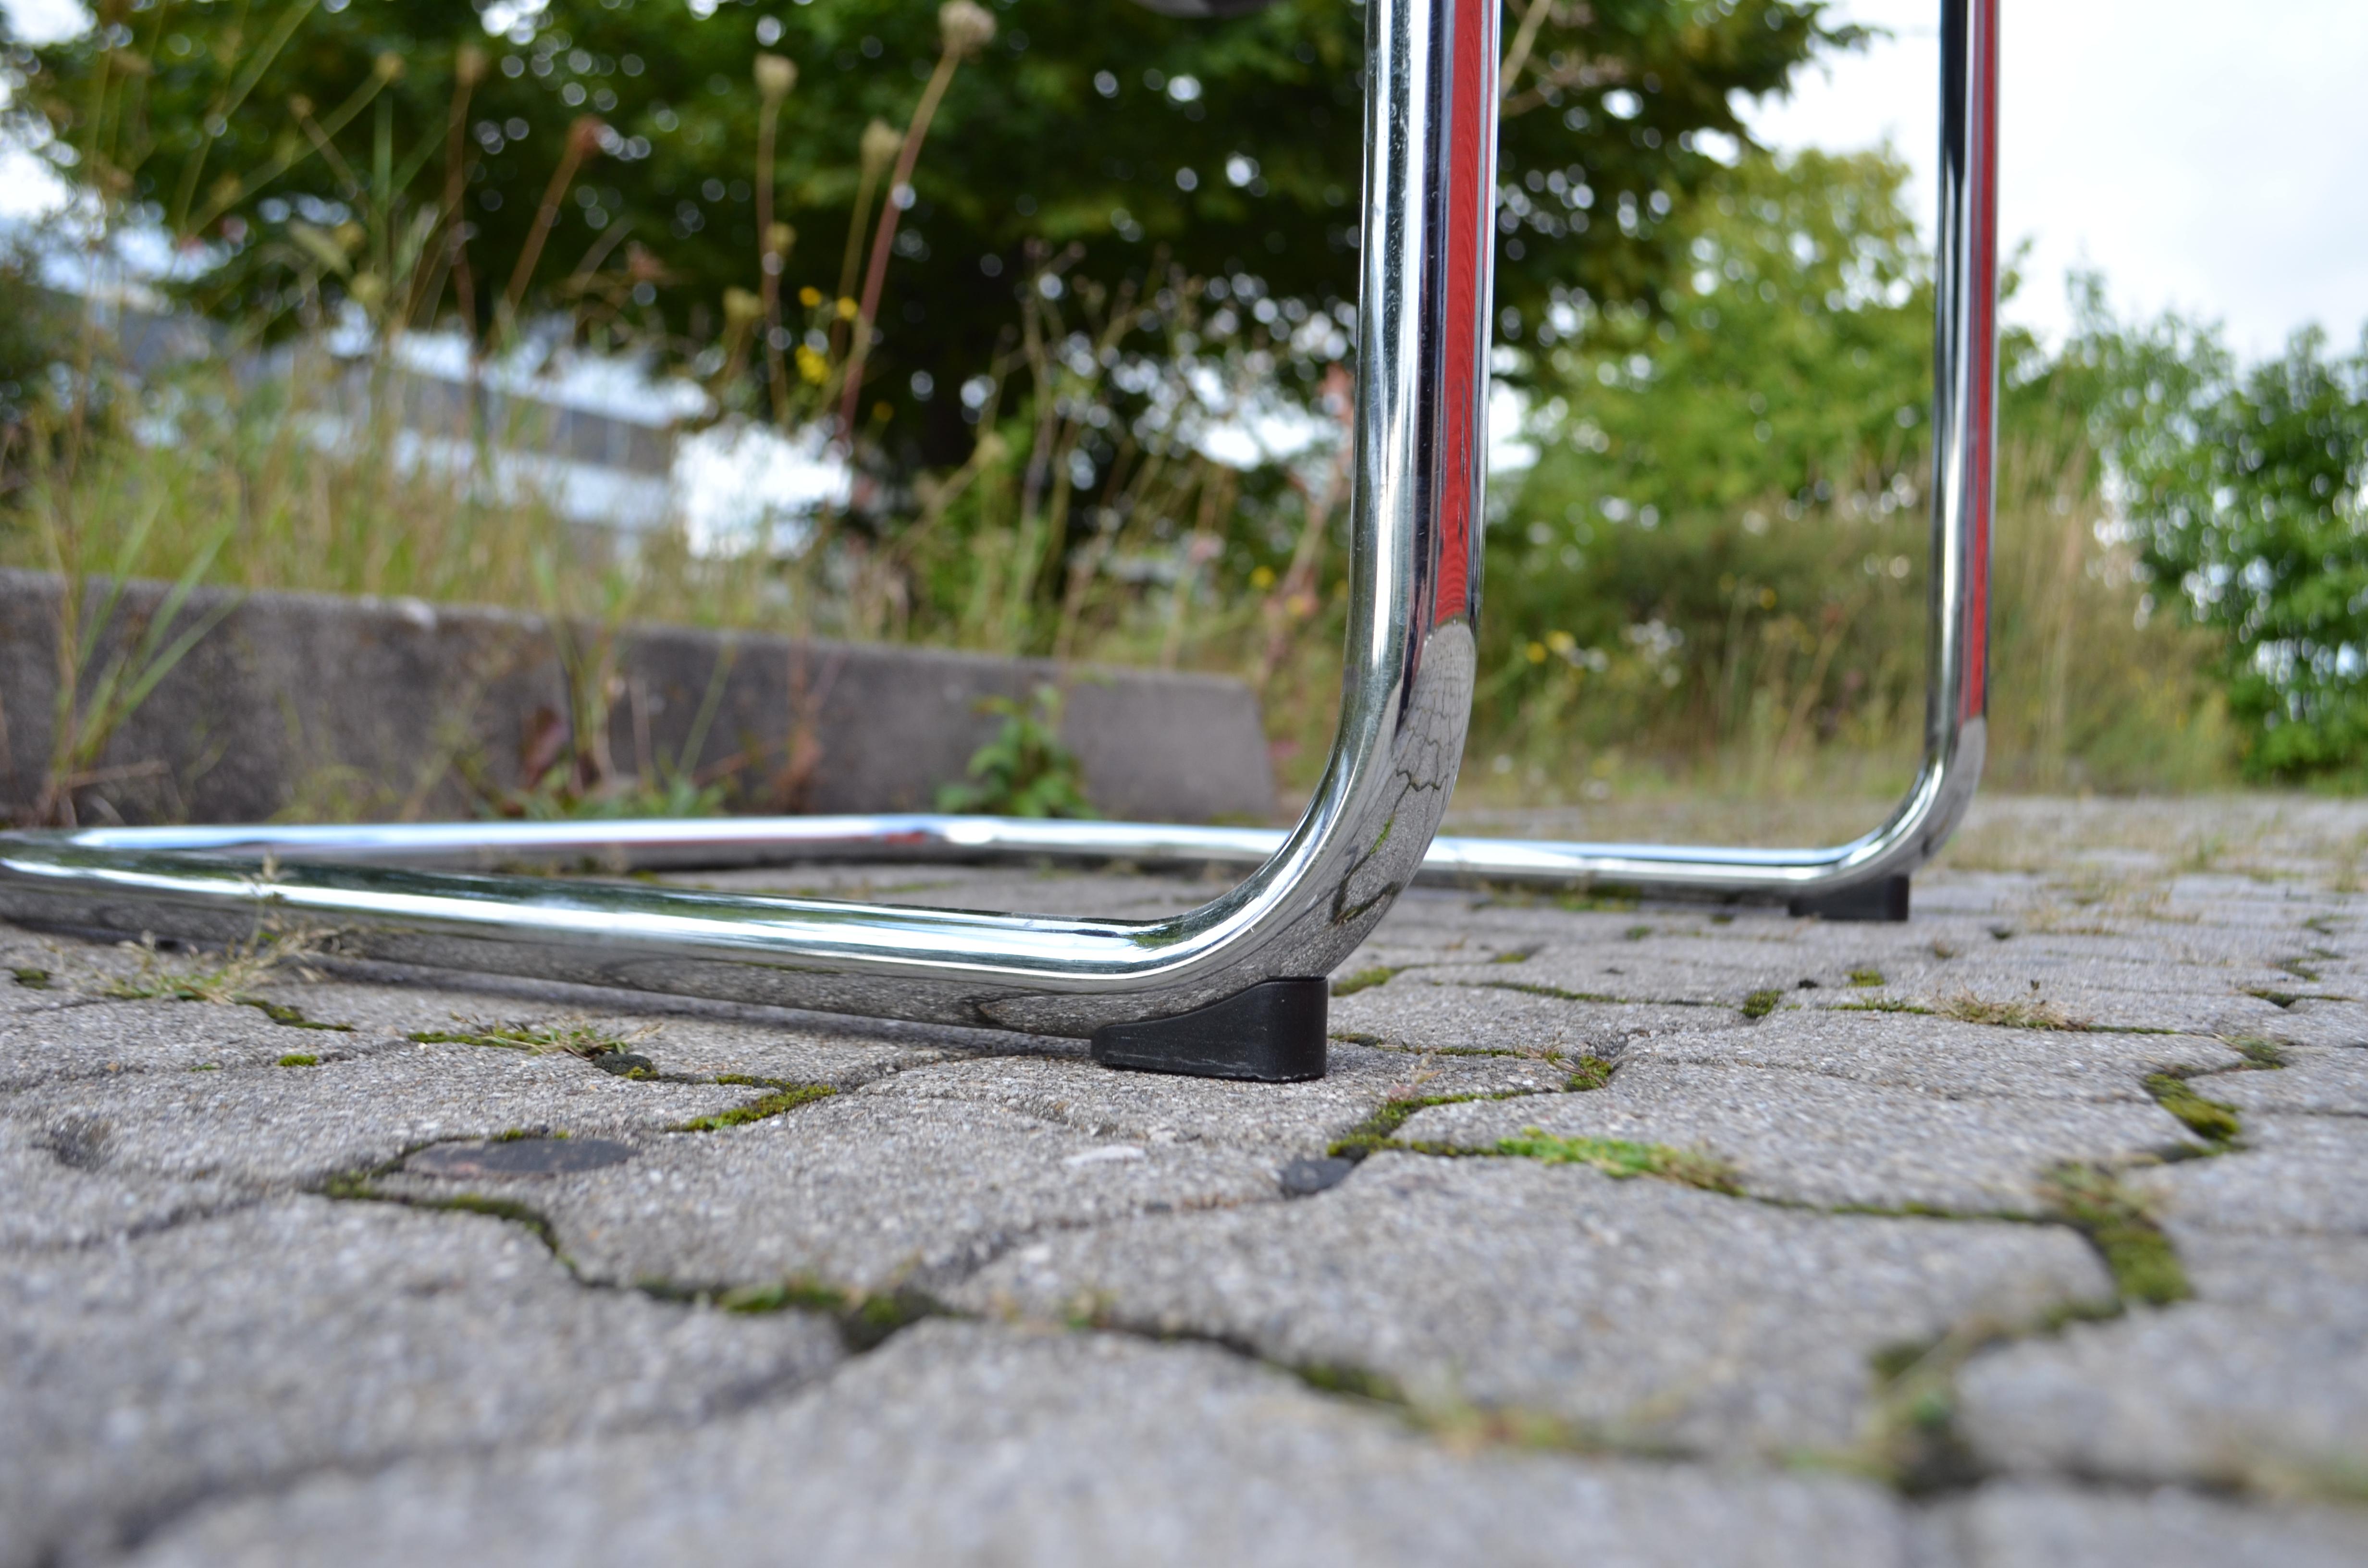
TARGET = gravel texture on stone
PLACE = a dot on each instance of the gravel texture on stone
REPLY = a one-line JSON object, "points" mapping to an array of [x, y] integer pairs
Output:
{"points": [[1806, 1137], [867, 1192], [279, 1126], [2260, 1382], [254, 1313], [970, 1444], [1944, 1056], [2297, 1173], [1415, 1012], [242, 1353], [1645, 1312], [1289, 1119], [2020, 1525]]}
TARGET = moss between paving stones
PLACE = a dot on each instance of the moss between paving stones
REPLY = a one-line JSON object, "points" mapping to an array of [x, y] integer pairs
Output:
{"points": [[2144, 1264], [2209, 1119], [784, 1097], [1620, 1159], [1363, 980], [32, 979], [1760, 1004]]}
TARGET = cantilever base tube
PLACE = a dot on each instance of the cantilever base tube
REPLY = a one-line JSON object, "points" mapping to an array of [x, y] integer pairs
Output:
{"points": [[1233, 987]]}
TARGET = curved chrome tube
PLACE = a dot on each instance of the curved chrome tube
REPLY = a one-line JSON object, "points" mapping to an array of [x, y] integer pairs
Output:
{"points": [[1965, 376], [1406, 700]]}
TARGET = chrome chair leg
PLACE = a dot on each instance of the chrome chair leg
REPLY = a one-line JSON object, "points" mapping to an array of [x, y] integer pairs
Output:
{"points": [[1863, 878], [1234, 988]]}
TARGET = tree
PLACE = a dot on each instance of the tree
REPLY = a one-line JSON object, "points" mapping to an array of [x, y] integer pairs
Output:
{"points": [[1230, 145], [2246, 489], [1725, 480]]}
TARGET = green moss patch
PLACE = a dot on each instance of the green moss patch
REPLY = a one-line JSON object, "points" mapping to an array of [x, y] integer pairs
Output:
{"points": [[1760, 1004], [1363, 980], [1866, 977], [32, 979], [1588, 1073], [1622, 1159], [2144, 1264], [300, 1058], [786, 1098], [2208, 1119]]}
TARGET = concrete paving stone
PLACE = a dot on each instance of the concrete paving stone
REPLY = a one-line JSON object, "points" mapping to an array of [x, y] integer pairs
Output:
{"points": [[1645, 1310], [237, 1353], [58, 1197], [1646, 971], [279, 1127], [2023, 1525], [2316, 1081], [962, 1443], [2260, 1382], [868, 1191], [686, 1041], [1286, 1118], [2292, 1174], [2311, 1021], [1942, 1056], [81, 1037], [2164, 1008], [1415, 1012], [1806, 1138]]}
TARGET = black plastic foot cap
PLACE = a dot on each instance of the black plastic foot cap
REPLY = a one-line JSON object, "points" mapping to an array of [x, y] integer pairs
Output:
{"points": [[1884, 899], [1272, 1033]]}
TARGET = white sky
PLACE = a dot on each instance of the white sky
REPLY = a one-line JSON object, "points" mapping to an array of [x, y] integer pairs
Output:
{"points": [[2203, 156], [2208, 157]]}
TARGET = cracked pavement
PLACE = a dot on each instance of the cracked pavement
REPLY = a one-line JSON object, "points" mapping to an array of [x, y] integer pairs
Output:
{"points": [[2029, 1232]]}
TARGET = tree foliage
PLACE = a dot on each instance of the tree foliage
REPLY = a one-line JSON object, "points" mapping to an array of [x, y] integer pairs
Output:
{"points": [[2249, 489], [1232, 146]]}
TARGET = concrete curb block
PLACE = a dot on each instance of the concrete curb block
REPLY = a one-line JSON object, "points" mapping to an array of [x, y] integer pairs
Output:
{"points": [[314, 707]]}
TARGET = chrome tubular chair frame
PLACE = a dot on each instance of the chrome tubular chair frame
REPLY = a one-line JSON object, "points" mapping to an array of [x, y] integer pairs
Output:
{"points": [[1868, 872], [1234, 987], [1408, 629]]}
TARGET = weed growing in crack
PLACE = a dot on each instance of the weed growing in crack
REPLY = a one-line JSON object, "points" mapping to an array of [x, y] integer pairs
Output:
{"points": [[784, 1097], [1620, 1159], [2209, 1119], [1587, 1074], [1760, 1004], [1379, 1131], [1635, 932], [1528, 988], [1967, 1008], [865, 1319], [2266, 1054], [229, 983], [1866, 977], [610, 1053], [1363, 980], [32, 979], [300, 1058], [2144, 1264], [1516, 955]]}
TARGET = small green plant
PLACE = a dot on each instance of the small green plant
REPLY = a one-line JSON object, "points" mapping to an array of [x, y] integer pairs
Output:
{"points": [[1620, 1158], [32, 979], [1866, 977], [1588, 1073], [2209, 1119], [1760, 1004], [300, 1058], [788, 1096], [1966, 1008], [1024, 771], [2262, 1053], [581, 1040], [2145, 1266], [1363, 980]]}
